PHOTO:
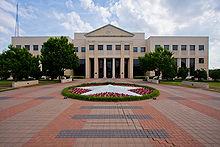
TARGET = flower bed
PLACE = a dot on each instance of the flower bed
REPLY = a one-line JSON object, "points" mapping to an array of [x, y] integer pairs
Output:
{"points": [[110, 92]]}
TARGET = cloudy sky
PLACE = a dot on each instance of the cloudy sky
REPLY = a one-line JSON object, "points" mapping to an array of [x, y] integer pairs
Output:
{"points": [[154, 17]]}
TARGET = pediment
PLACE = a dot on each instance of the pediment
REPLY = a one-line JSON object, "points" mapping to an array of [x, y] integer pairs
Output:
{"points": [[109, 31]]}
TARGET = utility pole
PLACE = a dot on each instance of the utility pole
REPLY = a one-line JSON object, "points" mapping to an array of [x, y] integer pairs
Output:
{"points": [[17, 22]]}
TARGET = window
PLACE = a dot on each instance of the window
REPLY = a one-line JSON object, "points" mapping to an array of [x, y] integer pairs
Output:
{"points": [[201, 47], [118, 47], [76, 49], [100, 47], [27, 47], [201, 60], [91, 47], [183, 62], [135, 49], [35, 47], [18, 46], [167, 47], [109, 47], [192, 47], [175, 47], [83, 49], [143, 49], [157, 46], [183, 47], [127, 47]]}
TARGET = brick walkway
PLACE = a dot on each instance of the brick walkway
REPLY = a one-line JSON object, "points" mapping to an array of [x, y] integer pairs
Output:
{"points": [[39, 116]]}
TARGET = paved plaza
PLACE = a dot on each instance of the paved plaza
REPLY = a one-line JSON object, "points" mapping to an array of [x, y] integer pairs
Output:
{"points": [[39, 116]]}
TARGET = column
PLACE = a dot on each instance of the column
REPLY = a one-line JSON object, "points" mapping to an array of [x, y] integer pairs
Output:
{"points": [[131, 68], [104, 68], [122, 68], [113, 68], [178, 62], [87, 61], [96, 66]]}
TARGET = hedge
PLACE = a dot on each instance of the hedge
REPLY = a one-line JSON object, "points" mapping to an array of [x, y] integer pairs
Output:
{"points": [[68, 94]]}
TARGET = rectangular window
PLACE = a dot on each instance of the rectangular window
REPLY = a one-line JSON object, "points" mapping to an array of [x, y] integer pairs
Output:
{"points": [[18, 46], [192, 47], [91, 47], [135, 49], [35, 47], [183, 62], [143, 49], [157, 46], [27, 47], [100, 47], [109, 47], [175, 47], [118, 47], [183, 47], [201, 60], [201, 47], [127, 47], [83, 49], [76, 49], [167, 47]]}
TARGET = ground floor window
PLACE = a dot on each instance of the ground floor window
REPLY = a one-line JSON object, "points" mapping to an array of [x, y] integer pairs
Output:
{"points": [[81, 70], [137, 71]]}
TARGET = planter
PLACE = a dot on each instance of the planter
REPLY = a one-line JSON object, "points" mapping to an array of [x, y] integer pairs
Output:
{"points": [[196, 84], [153, 81], [24, 83], [66, 80]]}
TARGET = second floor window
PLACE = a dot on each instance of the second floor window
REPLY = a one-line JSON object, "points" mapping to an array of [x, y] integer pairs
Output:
{"points": [[83, 49], [201, 47], [127, 47], [18, 46], [109, 47], [192, 47], [118, 47], [143, 49], [91, 47], [100, 47], [167, 47], [35, 47], [76, 49], [157, 46], [201, 60], [183, 47], [27, 47], [175, 47], [135, 49]]}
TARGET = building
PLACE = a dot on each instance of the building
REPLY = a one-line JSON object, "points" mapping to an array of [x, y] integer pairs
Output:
{"points": [[111, 52]]}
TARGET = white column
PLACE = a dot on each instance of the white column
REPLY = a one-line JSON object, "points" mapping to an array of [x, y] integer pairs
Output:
{"points": [[104, 68], [179, 62], [122, 68], [113, 67]]}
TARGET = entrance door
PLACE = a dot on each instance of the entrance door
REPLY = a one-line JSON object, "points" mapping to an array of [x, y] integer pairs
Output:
{"points": [[117, 67], [91, 67], [109, 68], [126, 67], [101, 68]]}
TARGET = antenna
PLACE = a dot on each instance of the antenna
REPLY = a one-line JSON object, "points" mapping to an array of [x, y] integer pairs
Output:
{"points": [[17, 22]]}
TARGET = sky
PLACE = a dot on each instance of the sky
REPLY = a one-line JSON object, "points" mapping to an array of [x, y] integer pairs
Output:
{"points": [[154, 17]]}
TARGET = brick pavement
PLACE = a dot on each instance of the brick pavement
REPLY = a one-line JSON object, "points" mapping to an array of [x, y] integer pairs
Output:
{"points": [[39, 116]]}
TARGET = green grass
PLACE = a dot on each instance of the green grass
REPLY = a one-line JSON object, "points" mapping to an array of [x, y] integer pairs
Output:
{"points": [[173, 83], [47, 82], [5, 83]]}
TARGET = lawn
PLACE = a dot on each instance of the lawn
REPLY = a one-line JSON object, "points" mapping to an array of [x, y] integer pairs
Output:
{"points": [[215, 86]]}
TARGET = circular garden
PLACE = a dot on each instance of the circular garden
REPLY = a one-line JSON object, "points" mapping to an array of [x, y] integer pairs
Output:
{"points": [[110, 92]]}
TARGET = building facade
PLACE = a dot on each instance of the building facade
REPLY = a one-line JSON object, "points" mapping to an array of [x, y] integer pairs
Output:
{"points": [[111, 52]]}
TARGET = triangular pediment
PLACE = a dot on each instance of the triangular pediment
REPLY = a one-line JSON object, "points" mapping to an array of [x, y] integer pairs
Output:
{"points": [[109, 31]]}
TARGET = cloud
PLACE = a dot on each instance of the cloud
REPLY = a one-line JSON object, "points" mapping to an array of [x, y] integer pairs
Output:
{"points": [[69, 4], [72, 22]]}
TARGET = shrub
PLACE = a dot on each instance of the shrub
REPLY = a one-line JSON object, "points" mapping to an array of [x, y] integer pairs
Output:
{"points": [[201, 74], [183, 72], [214, 74], [68, 94]]}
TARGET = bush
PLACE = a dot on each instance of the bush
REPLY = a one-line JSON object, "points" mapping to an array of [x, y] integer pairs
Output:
{"points": [[68, 94], [214, 74], [201, 74], [182, 72]]}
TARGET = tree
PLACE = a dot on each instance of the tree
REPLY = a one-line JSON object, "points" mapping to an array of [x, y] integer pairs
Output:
{"points": [[57, 55], [160, 61], [200, 74], [35, 68], [214, 74], [183, 72], [18, 62], [4, 71]]}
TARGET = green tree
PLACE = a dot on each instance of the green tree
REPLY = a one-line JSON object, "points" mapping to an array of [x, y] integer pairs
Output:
{"points": [[214, 74], [183, 72], [4, 71], [18, 61], [200, 74], [35, 68], [57, 55], [161, 61]]}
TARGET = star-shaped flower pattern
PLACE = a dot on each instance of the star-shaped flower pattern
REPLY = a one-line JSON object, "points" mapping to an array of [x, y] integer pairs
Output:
{"points": [[110, 88]]}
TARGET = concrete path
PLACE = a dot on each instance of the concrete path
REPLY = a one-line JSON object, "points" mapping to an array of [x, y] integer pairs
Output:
{"points": [[39, 116]]}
